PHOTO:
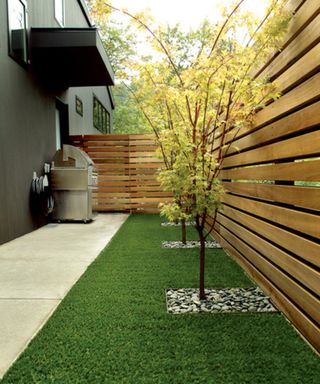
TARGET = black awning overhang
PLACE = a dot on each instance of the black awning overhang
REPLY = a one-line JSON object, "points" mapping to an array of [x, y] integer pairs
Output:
{"points": [[69, 57]]}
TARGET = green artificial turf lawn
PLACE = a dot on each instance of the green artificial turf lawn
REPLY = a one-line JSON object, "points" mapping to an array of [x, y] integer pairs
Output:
{"points": [[113, 326]]}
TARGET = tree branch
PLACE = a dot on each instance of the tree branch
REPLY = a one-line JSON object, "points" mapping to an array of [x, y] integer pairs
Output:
{"points": [[224, 25], [145, 26]]}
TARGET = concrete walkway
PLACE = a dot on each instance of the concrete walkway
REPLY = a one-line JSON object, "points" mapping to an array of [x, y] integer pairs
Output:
{"points": [[37, 271]]}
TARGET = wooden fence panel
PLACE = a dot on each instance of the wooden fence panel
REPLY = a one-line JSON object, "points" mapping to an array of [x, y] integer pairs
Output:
{"points": [[127, 172], [270, 223]]}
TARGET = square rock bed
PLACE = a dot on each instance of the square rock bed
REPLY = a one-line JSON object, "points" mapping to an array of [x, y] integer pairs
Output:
{"points": [[189, 244], [171, 224], [243, 300]]}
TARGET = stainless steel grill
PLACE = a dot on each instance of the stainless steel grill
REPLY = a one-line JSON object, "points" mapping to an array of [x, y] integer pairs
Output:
{"points": [[73, 178]]}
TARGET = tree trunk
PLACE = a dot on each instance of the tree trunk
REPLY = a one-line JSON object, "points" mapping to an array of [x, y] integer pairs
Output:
{"points": [[183, 231], [202, 253]]}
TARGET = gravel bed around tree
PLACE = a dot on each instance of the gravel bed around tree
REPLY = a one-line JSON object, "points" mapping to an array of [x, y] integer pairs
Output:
{"points": [[171, 224], [189, 244], [244, 300]]}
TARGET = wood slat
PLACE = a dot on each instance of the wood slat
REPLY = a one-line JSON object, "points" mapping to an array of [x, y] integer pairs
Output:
{"points": [[293, 171], [114, 136], [96, 156], [302, 146], [305, 223], [125, 178], [105, 177], [130, 194], [143, 154], [156, 200], [111, 189], [105, 143], [126, 184], [112, 149], [133, 150], [147, 189], [142, 137], [140, 160], [141, 142], [124, 149], [105, 166], [305, 197], [106, 137], [112, 195]]}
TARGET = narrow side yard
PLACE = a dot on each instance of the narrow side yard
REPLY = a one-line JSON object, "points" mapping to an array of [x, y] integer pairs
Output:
{"points": [[113, 326]]}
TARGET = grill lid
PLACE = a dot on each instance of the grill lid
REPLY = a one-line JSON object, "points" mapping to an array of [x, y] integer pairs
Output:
{"points": [[71, 157]]}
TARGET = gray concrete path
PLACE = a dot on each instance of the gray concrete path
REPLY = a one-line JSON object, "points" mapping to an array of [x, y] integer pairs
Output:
{"points": [[37, 271]]}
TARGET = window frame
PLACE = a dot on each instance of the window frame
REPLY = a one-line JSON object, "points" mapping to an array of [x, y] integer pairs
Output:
{"points": [[101, 116], [21, 59], [79, 105]]}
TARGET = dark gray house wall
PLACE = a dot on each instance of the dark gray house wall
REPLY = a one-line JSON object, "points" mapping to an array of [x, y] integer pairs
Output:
{"points": [[41, 14], [27, 139], [27, 123]]}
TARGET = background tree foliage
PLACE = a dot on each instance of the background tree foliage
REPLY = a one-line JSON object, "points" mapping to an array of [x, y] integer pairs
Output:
{"points": [[127, 116], [120, 42]]}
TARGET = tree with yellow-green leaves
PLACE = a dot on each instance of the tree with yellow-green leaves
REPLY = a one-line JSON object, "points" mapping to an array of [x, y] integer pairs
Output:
{"points": [[197, 93]]}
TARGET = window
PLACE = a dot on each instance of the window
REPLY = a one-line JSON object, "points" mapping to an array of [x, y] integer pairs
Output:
{"points": [[79, 106], [101, 117], [59, 11], [17, 24], [58, 130]]}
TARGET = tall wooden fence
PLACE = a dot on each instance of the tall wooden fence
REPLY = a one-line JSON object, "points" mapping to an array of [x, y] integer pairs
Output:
{"points": [[271, 219], [127, 168]]}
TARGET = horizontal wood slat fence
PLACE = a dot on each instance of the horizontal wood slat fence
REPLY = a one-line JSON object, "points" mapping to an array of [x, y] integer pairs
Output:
{"points": [[127, 172], [270, 223], [271, 218]]}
